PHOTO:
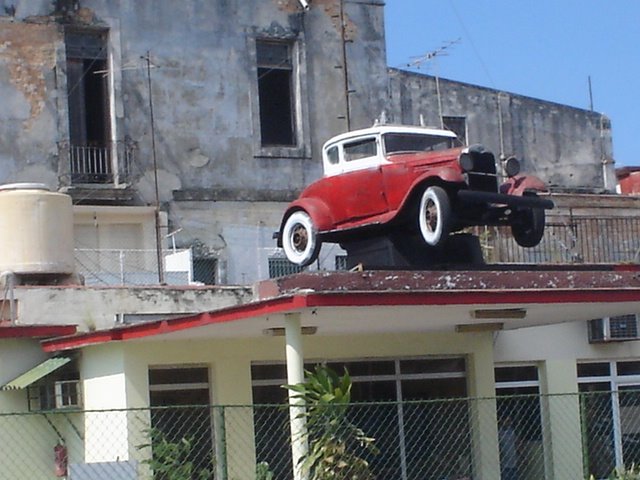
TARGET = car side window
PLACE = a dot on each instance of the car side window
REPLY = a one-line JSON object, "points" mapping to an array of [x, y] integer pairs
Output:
{"points": [[360, 149], [333, 156]]}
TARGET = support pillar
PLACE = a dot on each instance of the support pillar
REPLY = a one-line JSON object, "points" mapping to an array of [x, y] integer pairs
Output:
{"points": [[295, 374]]}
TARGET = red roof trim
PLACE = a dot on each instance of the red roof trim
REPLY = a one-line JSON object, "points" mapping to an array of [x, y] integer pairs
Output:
{"points": [[281, 305], [276, 305], [36, 331]]}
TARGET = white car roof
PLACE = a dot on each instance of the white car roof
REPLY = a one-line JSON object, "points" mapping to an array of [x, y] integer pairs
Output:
{"points": [[380, 129]]}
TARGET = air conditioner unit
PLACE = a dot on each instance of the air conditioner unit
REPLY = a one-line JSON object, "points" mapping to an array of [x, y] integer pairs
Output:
{"points": [[614, 329]]}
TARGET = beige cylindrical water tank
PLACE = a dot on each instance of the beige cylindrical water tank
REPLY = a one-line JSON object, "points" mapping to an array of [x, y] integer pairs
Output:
{"points": [[36, 230]]}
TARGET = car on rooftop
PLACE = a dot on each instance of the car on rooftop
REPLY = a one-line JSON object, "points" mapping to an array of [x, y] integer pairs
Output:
{"points": [[413, 180]]}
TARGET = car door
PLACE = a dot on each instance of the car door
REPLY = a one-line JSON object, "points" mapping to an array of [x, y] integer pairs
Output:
{"points": [[360, 186]]}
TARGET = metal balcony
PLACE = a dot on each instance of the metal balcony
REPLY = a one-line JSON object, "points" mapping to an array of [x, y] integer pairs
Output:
{"points": [[108, 164]]}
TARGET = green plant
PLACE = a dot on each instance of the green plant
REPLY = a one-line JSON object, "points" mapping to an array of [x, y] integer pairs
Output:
{"points": [[336, 445], [630, 473], [263, 472], [171, 459]]}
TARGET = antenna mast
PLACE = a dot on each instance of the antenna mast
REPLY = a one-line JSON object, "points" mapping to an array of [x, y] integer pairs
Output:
{"points": [[429, 56]]}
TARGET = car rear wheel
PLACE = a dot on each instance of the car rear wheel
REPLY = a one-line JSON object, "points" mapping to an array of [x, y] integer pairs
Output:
{"points": [[300, 239], [527, 226], [434, 216]]}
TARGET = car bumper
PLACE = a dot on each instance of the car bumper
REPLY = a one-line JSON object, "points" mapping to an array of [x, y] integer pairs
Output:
{"points": [[530, 201]]}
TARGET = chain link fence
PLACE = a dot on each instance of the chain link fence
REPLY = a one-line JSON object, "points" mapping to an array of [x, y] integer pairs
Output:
{"points": [[523, 437], [567, 240]]}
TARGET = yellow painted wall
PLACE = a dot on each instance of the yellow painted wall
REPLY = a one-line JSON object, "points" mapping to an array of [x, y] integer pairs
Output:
{"points": [[116, 374]]}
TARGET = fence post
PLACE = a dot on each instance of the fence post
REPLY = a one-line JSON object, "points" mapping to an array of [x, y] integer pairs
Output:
{"points": [[220, 437]]}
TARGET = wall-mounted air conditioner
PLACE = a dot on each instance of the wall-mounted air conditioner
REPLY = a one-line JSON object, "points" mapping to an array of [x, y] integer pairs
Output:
{"points": [[614, 329]]}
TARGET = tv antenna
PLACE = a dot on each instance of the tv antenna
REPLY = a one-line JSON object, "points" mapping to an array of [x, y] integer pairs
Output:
{"points": [[433, 55], [441, 51]]}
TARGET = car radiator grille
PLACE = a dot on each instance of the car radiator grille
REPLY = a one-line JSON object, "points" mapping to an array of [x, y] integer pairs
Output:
{"points": [[483, 177]]}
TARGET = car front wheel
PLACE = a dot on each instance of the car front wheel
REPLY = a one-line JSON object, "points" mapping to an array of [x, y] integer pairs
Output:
{"points": [[527, 226], [300, 240], [434, 216]]}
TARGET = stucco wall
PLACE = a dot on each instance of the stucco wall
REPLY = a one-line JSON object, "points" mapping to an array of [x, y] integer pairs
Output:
{"points": [[97, 308]]}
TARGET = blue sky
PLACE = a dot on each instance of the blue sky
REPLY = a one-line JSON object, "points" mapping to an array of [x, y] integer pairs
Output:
{"points": [[544, 49]]}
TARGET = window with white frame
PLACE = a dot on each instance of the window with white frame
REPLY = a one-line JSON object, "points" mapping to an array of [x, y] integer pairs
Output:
{"points": [[406, 432], [610, 408]]}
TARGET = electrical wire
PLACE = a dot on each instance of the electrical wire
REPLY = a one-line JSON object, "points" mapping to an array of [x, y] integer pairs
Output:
{"points": [[473, 46]]}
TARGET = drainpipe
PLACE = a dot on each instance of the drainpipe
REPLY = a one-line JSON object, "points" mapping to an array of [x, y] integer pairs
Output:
{"points": [[345, 67], [295, 375]]}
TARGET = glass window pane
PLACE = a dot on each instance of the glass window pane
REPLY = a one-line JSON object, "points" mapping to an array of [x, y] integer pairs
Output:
{"points": [[364, 368], [593, 370], [277, 371], [628, 368], [269, 395], [597, 421], [333, 156], [516, 374], [374, 392], [433, 388], [273, 54], [168, 376], [433, 365], [360, 149]]}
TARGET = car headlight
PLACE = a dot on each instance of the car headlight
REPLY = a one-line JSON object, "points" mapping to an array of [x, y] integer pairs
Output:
{"points": [[466, 162], [512, 166]]}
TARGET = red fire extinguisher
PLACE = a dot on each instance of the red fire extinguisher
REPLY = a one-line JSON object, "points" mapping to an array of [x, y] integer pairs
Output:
{"points": [[61, 460]]}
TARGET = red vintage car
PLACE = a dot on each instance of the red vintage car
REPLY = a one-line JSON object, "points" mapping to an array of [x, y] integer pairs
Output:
{"points": [[415, 180]]}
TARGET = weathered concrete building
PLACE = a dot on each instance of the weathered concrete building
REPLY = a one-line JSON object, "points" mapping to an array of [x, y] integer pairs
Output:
{"points": [[214, 113]]}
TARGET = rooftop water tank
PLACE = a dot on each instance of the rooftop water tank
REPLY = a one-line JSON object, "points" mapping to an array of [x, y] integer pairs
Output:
{"points": [[36, 230]]}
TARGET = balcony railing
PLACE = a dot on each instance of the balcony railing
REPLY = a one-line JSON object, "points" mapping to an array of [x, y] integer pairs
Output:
{"points": [[99, 164]]}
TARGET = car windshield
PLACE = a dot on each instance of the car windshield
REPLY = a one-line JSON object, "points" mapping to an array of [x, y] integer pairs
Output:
{"points": [[416, 142]]}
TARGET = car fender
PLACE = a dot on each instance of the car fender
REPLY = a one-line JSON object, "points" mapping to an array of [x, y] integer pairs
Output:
{"points": [[520, 184], [317, 210], [441, 176]]}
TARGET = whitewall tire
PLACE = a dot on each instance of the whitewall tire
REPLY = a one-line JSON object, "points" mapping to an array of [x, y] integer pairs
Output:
{"points": [[300, 239], [434, 216]]}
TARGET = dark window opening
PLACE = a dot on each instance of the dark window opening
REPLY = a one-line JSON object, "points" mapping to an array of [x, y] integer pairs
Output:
{"points": [[457, 125], [341, 262], [204, 270], [187, 423], [281, 267], [275, 92], [88, 101]]}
